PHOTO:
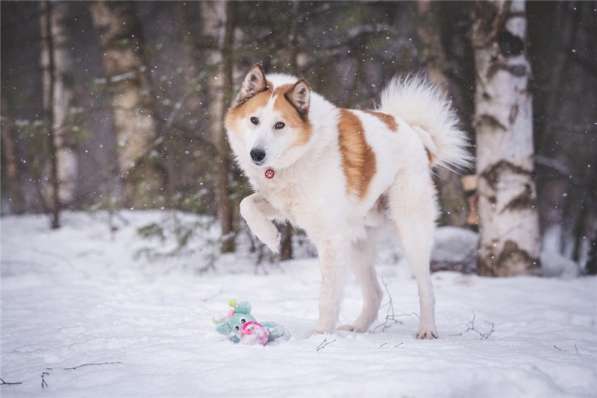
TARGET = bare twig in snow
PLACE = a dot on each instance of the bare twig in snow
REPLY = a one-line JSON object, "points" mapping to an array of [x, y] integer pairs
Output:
{"points": [[391, 316], [563, 350], [9, 383], [395, 345], [471, 327], [324, 344], [48, 371]]}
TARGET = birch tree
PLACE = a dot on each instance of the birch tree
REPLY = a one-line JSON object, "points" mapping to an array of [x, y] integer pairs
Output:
{"points": [[218, 32], [450, 188], [54, 28], [135, 123], [509, 227]]}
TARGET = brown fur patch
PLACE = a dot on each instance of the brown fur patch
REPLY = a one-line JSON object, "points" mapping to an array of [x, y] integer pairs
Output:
{"points": [[247, 108], [358, 159], [290, 115], [283, 89], [385, 118], [430, 156]]}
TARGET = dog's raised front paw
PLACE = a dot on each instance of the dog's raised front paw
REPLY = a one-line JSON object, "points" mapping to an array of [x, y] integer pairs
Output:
{"points": [[273, 242]]}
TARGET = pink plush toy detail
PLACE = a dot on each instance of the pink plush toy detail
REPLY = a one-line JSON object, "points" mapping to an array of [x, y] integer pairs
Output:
{"points": [[241, 327], [253, 332]]}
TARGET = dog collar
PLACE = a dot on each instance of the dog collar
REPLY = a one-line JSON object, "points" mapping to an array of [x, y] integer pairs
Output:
{"points": [[269, 173]]}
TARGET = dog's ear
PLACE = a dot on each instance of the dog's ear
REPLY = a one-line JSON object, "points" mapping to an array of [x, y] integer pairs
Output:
{"points": [[253, 84], [299, 96]]}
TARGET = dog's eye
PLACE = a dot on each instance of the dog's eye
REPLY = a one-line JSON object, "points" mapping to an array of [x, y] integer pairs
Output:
{"points": [[237, 327], [243, 320], [279, 125], [254, 120]]}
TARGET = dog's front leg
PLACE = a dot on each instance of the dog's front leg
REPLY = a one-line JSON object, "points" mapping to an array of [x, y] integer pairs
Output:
{"points": [[258, 213], [333, 274]]}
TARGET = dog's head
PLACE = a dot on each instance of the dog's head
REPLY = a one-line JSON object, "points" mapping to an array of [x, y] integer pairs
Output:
{"points": [[269, 126]]}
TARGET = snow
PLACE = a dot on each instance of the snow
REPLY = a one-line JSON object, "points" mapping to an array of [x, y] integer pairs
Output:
{"points": [[79, 308]]}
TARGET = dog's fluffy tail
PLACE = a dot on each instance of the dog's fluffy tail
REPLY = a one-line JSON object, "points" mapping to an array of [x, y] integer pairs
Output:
{"points": [[429, 112]]}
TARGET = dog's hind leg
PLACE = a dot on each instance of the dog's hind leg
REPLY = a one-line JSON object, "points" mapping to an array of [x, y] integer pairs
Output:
{"points": [[362, 263], [413, 208]]}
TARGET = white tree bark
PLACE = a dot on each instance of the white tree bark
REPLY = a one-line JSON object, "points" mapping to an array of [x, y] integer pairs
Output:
{"points": [[62, 101], [503, 120], [218, 31]]}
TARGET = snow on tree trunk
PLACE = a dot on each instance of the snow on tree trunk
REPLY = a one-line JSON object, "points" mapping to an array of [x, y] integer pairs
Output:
{"points": [[503, 121], [218, 30], [135, 123], [48, 67]]}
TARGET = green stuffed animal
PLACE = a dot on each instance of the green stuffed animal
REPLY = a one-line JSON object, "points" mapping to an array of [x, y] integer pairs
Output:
{"points": [[241, 327]]}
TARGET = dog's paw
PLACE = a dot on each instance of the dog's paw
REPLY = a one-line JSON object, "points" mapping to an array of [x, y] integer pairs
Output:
{"points": [[273, 242], [324, 327], [319, 332], [425, 333], [353, 328]]}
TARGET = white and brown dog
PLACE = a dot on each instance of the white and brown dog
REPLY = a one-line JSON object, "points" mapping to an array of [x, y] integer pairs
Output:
{"points": [[339, 173]]}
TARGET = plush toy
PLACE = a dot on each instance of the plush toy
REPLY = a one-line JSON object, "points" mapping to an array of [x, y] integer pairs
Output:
{"points": [[241, 327]]}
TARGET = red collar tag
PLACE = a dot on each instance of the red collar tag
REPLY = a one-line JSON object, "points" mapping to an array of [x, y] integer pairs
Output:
{"points": [[269, 173]]}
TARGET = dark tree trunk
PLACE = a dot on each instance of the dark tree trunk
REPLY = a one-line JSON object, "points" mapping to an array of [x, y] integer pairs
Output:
{"points": [[11, 183], [451, 192], [218, 30], [49, 71]]}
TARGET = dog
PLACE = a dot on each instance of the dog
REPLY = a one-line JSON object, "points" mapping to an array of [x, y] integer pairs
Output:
{"points": [[339, 174]]}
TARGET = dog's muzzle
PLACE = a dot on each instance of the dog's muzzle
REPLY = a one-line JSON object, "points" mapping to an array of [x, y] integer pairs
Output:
{"points": [[258, 156]]}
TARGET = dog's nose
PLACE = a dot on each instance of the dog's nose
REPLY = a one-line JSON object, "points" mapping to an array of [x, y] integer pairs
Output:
{"points": [[257, 154]]}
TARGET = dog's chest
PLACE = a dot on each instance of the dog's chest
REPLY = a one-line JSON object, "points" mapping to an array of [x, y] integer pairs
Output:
{"points": [[289, 197]]}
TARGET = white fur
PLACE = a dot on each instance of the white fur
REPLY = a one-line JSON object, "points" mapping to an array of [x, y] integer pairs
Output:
{"points": [[309, 189], [425, 106]]}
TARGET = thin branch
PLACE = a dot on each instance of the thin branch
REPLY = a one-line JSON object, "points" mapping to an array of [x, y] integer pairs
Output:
{"points": [[83, 365], [9, 383], [390, 318], [47, 371], [471, 327], [324, 344], [394, 346]]}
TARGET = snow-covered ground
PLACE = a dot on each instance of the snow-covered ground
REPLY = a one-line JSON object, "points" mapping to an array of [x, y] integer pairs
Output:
{"points": [[85, 317]]}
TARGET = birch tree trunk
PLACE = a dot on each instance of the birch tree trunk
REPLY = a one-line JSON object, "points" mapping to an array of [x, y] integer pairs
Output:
{"points": [[48, 67], [451, 192], [135, 122], [63, 103], [218, 31], [509, 225]]}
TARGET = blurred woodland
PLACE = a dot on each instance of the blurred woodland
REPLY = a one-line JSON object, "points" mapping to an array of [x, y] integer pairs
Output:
{"points": [[119, 105]]}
